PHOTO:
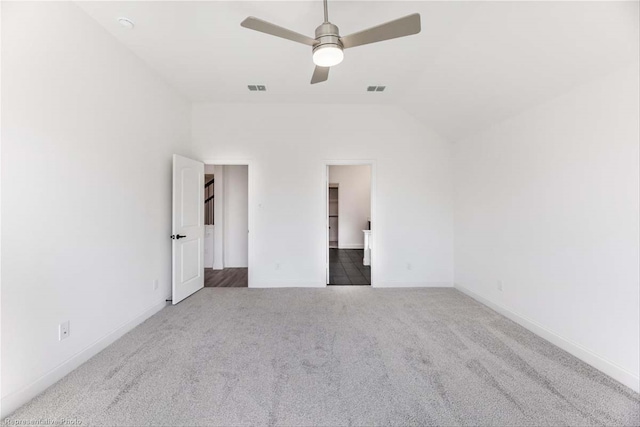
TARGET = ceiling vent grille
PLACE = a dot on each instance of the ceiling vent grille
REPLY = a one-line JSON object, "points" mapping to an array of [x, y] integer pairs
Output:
{"points": [[376, 88]]}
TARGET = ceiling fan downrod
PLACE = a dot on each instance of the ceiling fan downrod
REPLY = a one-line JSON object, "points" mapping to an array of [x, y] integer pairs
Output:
{"points": [[326, 12]]}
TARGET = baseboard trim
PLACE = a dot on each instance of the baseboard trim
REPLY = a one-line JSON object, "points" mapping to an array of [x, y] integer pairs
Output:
{"points": [[15, 400], [352, 246], [288, 285], [412, 285], [602, 364]]}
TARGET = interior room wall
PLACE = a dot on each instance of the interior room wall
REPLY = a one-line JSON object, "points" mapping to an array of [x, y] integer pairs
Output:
{"points": [[219, 214], [87, 137], [354, 204], [547, 207], [287, 148], [236, 217]]}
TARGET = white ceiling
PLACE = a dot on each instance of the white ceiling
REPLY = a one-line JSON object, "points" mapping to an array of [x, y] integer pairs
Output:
{"points": [[473, 64]]}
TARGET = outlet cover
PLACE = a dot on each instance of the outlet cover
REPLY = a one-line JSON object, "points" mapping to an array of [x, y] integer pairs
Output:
{"points": [[63, 330]]}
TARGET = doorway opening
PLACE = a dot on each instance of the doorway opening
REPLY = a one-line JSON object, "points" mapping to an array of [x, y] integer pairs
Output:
{"points": [[226, 215], [349, 196]]}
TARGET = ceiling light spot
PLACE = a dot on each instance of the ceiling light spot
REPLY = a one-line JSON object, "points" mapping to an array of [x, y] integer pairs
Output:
{"points": [[126, 23]]}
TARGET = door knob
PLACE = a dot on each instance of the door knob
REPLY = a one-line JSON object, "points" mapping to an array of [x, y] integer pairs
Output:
{"points": [[176, 237]]}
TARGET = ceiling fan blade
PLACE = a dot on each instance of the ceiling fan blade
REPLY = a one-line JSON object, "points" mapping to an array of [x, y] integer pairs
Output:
{"points": [[268, 28], [320, 74], [406, 26]]}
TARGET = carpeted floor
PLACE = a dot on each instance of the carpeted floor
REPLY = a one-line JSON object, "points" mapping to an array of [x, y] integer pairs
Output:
{"points": [[336, 356]]}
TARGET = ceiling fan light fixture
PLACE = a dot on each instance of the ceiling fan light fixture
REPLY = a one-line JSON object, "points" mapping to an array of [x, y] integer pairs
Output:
{"points": [[328, 55], [328, 45]]}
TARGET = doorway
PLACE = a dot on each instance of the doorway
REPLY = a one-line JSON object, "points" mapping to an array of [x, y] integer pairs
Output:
{"points": [[226, 213], [349, 212]]}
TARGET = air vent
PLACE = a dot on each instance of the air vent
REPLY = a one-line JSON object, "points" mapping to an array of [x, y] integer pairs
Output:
{"points": [[257, 88], [376, 88]]}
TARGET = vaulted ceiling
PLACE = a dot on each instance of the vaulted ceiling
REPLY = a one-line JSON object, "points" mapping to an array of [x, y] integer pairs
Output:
{"points": [[473, 64]]}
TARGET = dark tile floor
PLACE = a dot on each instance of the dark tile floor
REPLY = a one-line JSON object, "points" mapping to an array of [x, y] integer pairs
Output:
{"points": [[346, 268]]}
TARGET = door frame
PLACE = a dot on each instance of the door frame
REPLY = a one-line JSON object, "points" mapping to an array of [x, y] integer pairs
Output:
{"points": [[374, 235], [250, 209]]}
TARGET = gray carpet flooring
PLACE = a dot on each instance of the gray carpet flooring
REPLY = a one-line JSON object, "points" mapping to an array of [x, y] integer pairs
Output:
{"points": [[337, 356]]}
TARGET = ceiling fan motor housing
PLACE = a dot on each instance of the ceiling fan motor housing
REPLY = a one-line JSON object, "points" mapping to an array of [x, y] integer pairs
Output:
{"points": [[327, 34]]}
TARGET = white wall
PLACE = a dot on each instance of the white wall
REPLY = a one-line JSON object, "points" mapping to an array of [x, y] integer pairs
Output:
{"points": [[218, 213], [87, 137], [236, 218], [287, 149], [354, 204], [547, 202]]}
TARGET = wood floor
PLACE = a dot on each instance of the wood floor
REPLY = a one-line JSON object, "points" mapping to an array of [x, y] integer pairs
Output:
{"points": [[227, 278], [346, 267]]}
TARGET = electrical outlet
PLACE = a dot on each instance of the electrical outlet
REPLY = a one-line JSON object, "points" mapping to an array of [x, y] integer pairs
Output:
{"points": [[499, 285], [63, 330], [155, 284]]}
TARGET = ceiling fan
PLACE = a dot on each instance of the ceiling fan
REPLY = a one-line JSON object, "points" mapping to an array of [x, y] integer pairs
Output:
{"points": [[328, 45]]}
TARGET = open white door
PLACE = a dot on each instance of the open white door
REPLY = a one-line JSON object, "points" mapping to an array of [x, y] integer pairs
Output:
{"points": [[187, 228]]}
